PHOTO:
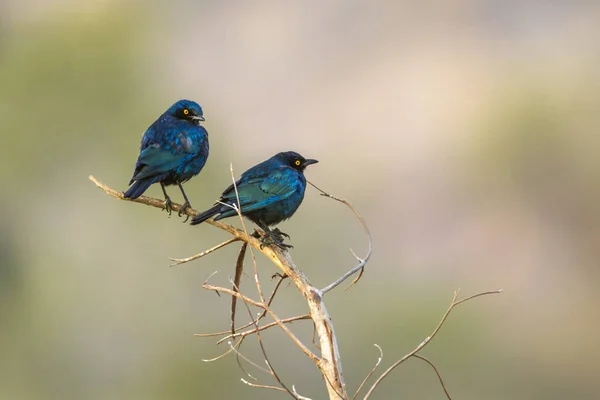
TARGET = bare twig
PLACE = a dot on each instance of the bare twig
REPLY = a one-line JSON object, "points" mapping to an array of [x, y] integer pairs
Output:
{"points": [[221, 356], [233, 293], [262, 328], [361, 261], [279, 322], [264, 351], [249, 361], [239, 268], [370, 373], [295, 339], [298, 396], [205, 252], [260, 316], [254, 385], [436, 372], [294, 393], [424, 343], [239, 355]]}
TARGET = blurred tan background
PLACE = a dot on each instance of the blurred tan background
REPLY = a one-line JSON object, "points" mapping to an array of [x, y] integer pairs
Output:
{"points": [[466, 133]]}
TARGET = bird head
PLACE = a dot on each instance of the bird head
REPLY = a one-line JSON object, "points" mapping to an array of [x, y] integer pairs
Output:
{"points": [[295, 160], [186, 110]]}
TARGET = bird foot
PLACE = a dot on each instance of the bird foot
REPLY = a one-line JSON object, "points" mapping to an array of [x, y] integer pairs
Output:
{"points": [[168, 205], [182, 209], [276, 239], [284, 246], [279, 233]]}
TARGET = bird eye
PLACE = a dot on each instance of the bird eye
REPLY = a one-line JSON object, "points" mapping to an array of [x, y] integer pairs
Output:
{"points": [[186, 111], [297, 162]]}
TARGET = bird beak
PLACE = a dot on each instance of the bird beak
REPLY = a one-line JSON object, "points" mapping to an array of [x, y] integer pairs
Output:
{"points": [[308, 162], [197, 117]]}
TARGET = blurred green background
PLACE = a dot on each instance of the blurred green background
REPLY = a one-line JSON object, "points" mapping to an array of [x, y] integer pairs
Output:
{"points": [[466, 133]]}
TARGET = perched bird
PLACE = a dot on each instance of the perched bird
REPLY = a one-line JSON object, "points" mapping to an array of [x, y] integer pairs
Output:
{"points": [[269, 193], [173, 150]]}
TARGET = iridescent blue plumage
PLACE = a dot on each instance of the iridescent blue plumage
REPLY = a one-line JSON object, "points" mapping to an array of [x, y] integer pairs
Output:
{"points": [[174, 149], [269, 193]]}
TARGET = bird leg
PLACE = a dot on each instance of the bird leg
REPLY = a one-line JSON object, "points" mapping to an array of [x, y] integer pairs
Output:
{"points": [[168, 202], [185, 205]]}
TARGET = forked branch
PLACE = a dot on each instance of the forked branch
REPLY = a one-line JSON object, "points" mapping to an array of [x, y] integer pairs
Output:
{"points": [[329, 361], [361, 261], [428, 339]]}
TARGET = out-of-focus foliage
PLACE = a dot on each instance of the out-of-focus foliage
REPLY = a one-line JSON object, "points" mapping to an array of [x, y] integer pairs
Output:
{"points": [[466, 135]]}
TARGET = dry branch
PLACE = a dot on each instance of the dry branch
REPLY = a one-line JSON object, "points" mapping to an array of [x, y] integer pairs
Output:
{"points": [[428, 339], [262, 328], [202, 254], [239, 268], [260, 316], [416, 355], [262, 347], [361, 261], [329, 361], [370, 373]]}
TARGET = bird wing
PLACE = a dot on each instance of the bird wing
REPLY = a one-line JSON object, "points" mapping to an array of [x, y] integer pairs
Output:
{"points": [[259, 192], [156, 160]]}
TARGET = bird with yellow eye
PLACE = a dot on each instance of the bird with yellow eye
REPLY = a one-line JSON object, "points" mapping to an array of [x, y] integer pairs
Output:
{"points": [[173, 150], [268, 193]]}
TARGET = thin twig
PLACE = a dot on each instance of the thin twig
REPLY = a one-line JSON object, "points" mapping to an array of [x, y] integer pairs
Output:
{"points": [[298, 395], [218, 357], [370, 373], [361, 261], [239, 355], [261, 315], [436, 372], [295, 339], [254, 385], [239, 268], [476, 295], [279, 322], [263, 327], [424, 343], [264, 351], [249, 361], [233, 293], [202, 254]]}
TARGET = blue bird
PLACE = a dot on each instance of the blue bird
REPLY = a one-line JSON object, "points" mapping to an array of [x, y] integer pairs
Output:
{"points": [[269, 193], [174, 149]]}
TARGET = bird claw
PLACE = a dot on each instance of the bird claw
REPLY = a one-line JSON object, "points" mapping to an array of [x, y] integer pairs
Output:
{"points": [[278, 236], [275, 237], [284, 246], [168, 205], [279, 233], [182, 209]]}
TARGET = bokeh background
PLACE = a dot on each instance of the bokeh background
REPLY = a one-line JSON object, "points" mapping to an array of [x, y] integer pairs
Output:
{"points": [[465, 132]]}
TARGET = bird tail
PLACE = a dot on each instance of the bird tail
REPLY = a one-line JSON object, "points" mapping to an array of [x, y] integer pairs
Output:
{"points": [[139, 187], [203, 216]]}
